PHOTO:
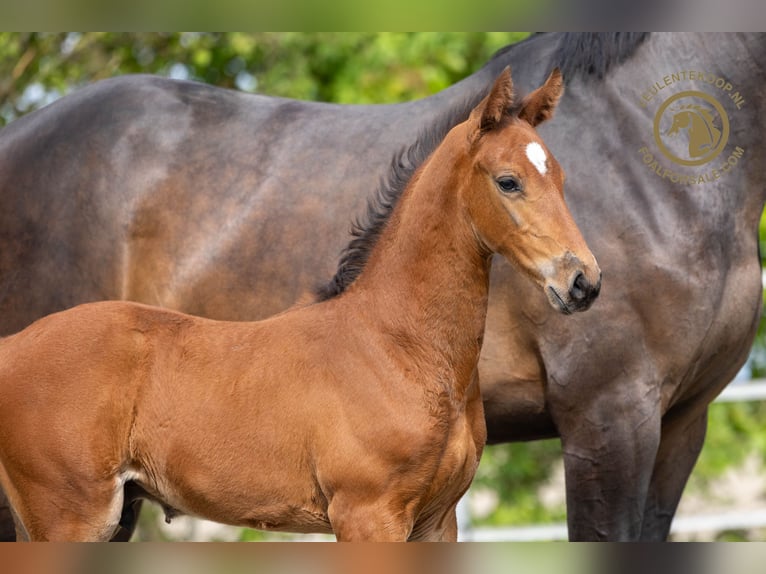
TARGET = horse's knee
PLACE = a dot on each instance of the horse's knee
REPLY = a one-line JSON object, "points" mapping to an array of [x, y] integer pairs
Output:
{"points": [[609, 468]]}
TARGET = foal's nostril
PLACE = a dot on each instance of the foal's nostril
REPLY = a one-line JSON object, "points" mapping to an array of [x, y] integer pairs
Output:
{"points": [[580, 287]]}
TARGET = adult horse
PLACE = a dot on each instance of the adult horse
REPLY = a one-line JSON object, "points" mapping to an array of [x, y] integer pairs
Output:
{"points": [[176, 193]]}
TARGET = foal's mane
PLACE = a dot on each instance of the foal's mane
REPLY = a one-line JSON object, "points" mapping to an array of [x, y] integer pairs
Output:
{"points": [[366, 231], [576, 54]]}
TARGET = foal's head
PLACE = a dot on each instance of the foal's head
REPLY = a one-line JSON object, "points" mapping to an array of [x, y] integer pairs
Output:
{"points": [[514, 195]]}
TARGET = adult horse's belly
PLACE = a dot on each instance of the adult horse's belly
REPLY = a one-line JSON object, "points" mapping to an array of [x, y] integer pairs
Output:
{"points": [[515, 411]]}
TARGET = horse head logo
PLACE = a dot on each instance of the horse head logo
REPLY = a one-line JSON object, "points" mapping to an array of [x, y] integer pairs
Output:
{"points": [[699, 123], [698, 116]]}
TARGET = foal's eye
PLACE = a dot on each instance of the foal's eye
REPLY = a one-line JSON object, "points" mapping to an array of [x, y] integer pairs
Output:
{"points": [[508, 184]]}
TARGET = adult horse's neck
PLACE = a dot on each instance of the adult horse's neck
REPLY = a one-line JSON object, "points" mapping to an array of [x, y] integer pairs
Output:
{"points": [[535, 52], [426, 281]]}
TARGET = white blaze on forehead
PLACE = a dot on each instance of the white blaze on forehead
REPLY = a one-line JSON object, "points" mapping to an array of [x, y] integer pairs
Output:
{"points": [[536, 155]]}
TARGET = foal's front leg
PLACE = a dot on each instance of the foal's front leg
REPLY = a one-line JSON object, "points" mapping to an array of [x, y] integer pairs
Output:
{"points": [[354, 519], [449, 533], [444, 530]]}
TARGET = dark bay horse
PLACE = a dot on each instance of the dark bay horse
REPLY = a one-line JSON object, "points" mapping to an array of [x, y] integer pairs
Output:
{"points": [[175, 193], [359, 415]]}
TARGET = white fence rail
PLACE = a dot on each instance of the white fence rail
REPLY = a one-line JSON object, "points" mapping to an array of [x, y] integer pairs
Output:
{"points": [[754, 390], [740, 520]]}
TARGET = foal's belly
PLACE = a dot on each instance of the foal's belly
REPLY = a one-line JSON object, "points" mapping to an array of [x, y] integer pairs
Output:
{"points": [[251, 508]]}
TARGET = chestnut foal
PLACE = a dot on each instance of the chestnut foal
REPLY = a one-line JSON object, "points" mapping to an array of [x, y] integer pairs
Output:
{"points": [[360, 415]]}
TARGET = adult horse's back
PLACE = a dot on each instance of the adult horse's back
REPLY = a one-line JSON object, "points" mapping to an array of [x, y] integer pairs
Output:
{"points": [[187, 196], [183, 195]]}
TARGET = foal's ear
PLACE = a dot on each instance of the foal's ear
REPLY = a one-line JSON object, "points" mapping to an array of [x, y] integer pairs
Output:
{"points": [[540, 104], [497, 103]]}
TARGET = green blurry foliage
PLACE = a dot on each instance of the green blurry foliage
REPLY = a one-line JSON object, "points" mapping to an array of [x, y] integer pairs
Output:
{"points": [[297, 15], [516, 472], [354, 67], [735, 430], [343, 67]]}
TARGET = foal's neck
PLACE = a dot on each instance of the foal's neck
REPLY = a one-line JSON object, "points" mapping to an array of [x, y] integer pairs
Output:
{"points": [[427, 279]]}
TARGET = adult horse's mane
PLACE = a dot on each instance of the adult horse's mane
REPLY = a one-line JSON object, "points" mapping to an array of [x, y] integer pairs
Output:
{"points": [[576, 55], [594, 54]]}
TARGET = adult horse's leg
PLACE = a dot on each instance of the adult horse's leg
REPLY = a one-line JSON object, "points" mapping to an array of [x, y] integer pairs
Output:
{"points": [[682, 440], [609, 450]]}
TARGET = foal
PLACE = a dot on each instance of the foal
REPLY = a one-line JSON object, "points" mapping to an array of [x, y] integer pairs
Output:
{"points": [[360, 415]]}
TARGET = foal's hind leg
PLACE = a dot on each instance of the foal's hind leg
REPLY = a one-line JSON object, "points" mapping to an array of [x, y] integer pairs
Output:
{"points": [[91, 514]]}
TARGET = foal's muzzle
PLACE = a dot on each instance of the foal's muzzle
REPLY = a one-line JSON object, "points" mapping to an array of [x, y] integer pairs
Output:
{"points": [[578, 291], [583, 292]]}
